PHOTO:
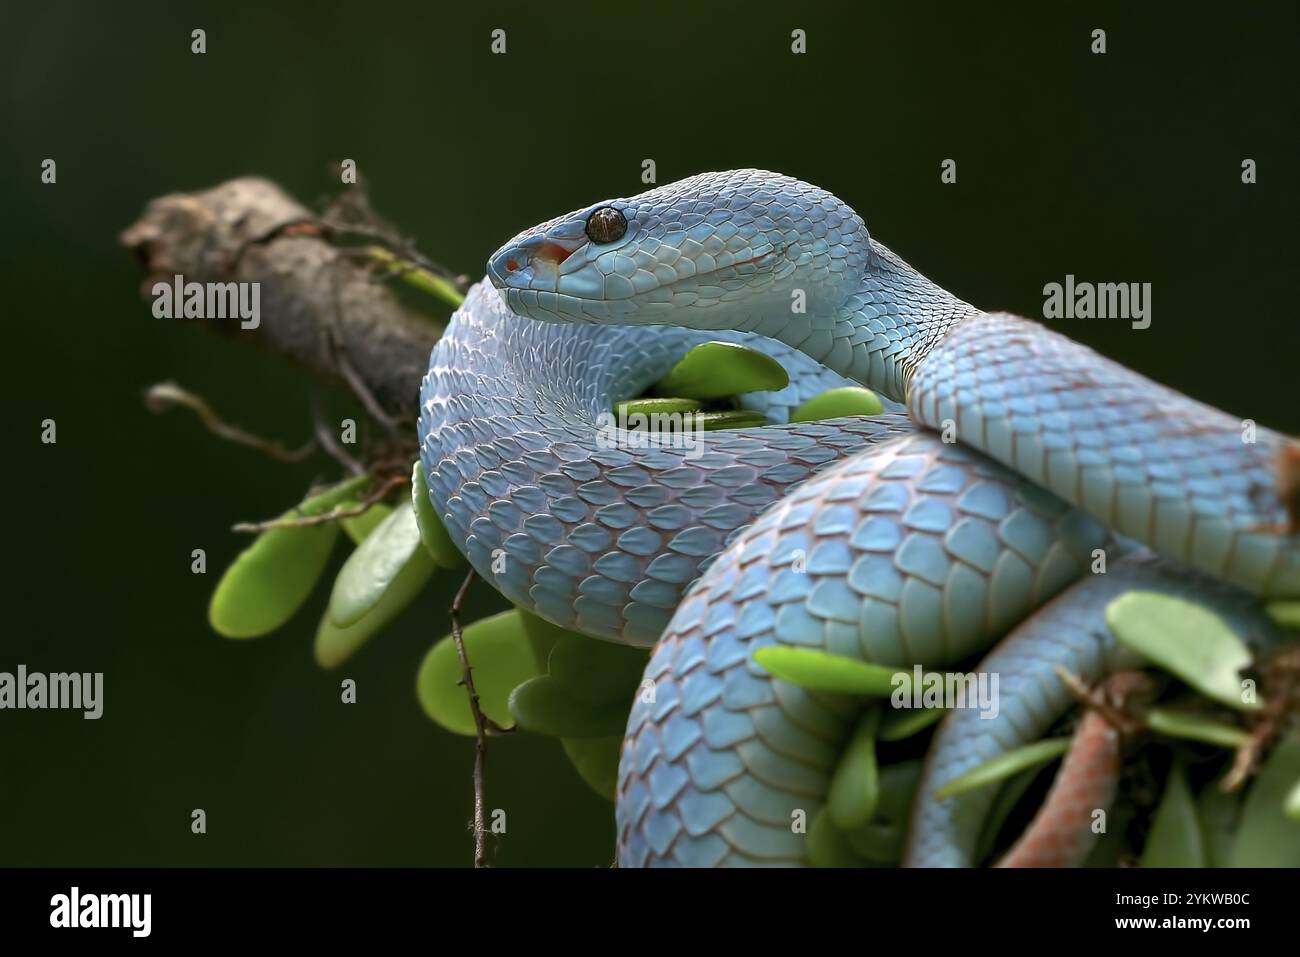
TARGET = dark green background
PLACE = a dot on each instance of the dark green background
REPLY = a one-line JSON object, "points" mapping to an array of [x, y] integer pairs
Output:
{"points": [[1122, 167]]}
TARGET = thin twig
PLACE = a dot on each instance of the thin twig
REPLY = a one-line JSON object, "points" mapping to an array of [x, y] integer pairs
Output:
{"points": [[165, 395], [1282, 696], [402, 246], [325, 436], [362, 392], [367, 398], [1113, 699], [352, 213], [449, 290], [306, 521], [332, 347], [1088, 778], [480, 724]]}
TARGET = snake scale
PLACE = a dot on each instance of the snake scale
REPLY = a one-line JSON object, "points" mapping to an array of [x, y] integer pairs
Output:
{"points": [[915, 537]]}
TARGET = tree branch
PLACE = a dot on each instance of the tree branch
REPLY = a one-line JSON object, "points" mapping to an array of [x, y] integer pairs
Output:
{"points": [[323, 306], [162, 396], [320, 304]]}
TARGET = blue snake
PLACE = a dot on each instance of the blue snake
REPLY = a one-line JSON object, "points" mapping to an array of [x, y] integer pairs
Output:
{"points": [[1009, 459]]}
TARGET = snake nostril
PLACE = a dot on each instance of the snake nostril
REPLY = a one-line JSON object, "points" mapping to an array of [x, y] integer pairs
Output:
{"points": [[512, 265]]}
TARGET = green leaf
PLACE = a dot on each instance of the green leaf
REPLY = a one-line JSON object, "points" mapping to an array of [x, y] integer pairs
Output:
{"points": [[335, 644], [1218, 814], [715, 370], [417, 276], [1009, 796], [1185, 639], [901, 723], [880, 840], [1112, 848], [330, 498], [898, 784], [827, 845], [1004, 766], [1195, 727], [596, 760], [1285, 613], [390, 557], [587, 691], [855, 785], [728, 419], [835, 403], [433, 533], [1175, 839], [543, 636], [600, 672], [377, 582], [360, 526], [821, 671], [652, 406], [688, 416], [501, 659], [269, 581], [544, 706], [878, 844], [1291, 806], [1268, 837]]}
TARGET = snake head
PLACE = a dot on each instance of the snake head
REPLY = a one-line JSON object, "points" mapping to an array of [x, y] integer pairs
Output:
{"points": [[734, 250]]}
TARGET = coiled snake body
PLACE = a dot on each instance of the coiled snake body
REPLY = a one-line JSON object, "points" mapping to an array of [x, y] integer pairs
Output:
{"points": [[869, 537]]}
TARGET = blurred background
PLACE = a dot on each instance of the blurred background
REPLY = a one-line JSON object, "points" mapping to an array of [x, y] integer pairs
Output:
{"points": [[1122, 167]]}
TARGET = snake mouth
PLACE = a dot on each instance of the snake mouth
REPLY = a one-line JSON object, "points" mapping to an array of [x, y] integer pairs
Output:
{"points": [[533, 264], [548, 252], [533, 274], [768, 259], [546, 304]]}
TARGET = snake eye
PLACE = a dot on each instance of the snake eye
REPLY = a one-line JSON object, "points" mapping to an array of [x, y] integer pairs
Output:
{"points": [[605, 225]]}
